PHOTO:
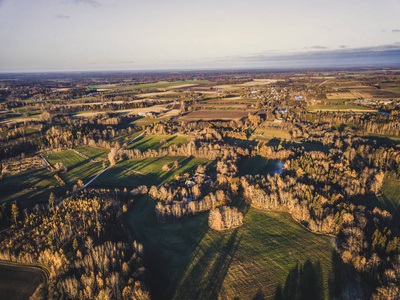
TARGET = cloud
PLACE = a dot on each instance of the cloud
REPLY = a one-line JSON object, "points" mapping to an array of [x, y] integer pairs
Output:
{"points": [[378, 55], [396, 30], [318, 47], [93, 3], [61, 17]]}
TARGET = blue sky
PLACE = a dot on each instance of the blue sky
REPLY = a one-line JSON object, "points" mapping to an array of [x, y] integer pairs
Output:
{"points": [[69, 35]]}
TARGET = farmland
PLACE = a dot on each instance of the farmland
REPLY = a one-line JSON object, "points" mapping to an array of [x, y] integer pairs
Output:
{"points": [[155, 85], [19, 282], [214, 115], [237, 263]]}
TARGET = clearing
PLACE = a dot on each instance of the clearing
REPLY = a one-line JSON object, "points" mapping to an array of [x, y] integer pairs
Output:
{"points": [[27, 187], [188, 260], [147, 171], [153, 142], [390, 198], [77, 166]]}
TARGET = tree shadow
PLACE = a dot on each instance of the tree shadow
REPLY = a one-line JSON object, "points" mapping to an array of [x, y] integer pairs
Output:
{"points": [[303, 282], [338, 276], [206, 277]]}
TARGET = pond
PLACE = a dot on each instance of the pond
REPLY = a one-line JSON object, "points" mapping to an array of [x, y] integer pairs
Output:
{"points": [[259, 165]]}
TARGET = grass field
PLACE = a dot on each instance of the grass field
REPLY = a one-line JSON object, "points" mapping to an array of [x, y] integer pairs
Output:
{"points": [[259, 165], [78, 167], [390, 198], [32, 186], [190, 261], [153, 142], [146, 121], [19, 283], [126, 138], [28, 131], [94, 153], [135, 172], [272, 132]]}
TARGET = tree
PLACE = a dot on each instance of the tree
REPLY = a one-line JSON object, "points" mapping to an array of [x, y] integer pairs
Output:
{"points": [[112, 156], [51, 200], [75, 244], [14, 212]]}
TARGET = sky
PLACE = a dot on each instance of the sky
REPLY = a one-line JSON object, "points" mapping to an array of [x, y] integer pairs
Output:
{"points": [[90, 35]]}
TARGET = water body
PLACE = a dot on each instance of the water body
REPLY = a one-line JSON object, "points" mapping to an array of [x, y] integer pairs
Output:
{"points": [[259, 165]]}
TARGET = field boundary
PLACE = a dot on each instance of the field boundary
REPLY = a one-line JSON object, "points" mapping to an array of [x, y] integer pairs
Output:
{"points": [[43, 269]]}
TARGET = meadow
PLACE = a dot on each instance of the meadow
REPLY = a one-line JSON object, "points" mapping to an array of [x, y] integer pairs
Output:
{"points": [[29, 187], [271, 132], [188, 260], [390, 198], [147, 171], [77, 166], [95, 153], [153, 142]]}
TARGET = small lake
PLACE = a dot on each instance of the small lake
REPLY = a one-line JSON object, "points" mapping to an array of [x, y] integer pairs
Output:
{"points": [[259, 165]]}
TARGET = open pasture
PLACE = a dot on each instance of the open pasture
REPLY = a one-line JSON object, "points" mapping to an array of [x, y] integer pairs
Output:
{"points": [[189, 260], [77, 166], [144, 143], [148, 171]]}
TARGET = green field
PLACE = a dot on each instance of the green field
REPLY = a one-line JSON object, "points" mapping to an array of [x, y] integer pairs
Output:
{"points": [[135, 172], [188, 260], [153, 142], [390, 198], [94, 153], [259, 165], [78, 167], [28, 131], [271, 132], [381, 139], [146, 121], [154, 85], [28, 187], [126, 138], [18, 282]]}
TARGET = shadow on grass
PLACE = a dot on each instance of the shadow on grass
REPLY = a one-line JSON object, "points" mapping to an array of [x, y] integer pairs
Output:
{"points": [[306, 281], [206, 277], [303, 282], [169, 248]]}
